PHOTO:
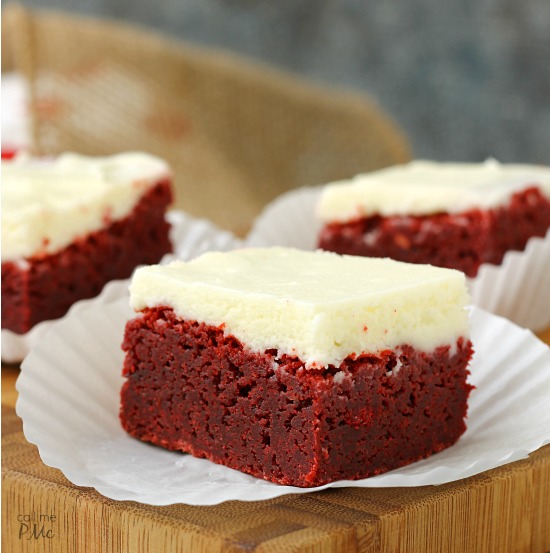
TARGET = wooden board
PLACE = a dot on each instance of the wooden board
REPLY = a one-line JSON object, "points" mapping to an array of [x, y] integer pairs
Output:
{"points": [[502, 510]]}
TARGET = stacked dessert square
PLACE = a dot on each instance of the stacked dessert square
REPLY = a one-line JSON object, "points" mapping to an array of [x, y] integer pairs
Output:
{"points": [[72, 224], [450, 215], [297, 367]]}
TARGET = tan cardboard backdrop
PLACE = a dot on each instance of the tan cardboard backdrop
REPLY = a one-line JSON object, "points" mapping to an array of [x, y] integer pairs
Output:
{"points": [[236, 133]]}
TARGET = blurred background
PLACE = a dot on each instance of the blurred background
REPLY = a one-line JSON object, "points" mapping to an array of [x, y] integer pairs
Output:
{"points": [[465, 79]]}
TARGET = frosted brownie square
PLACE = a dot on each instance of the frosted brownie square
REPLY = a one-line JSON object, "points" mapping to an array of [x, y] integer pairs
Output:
{"points": [[72, 224], [297, 367], [447, 214]]}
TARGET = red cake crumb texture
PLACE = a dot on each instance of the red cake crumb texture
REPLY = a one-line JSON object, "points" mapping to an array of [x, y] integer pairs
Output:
{"points": [[9, 153], [43, 287], [191, 388], [462, 241]]}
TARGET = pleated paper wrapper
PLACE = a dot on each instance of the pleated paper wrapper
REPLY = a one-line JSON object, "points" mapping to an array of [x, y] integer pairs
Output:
{"points": [[518, 288], [69, 393], [189, 236]]}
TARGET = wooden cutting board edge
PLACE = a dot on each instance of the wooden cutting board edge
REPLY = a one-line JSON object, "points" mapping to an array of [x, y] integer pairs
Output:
{"points": [[503, 510]]}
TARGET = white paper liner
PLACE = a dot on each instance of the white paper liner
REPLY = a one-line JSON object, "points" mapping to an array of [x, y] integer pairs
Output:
{"points": [[15, 120], [189, 236], [69, 401], [518, 288]]}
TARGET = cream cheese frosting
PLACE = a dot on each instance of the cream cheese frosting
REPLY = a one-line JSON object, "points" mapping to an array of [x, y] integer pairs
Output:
{"points": [[319, 306], [47, 204], [424, 188]]}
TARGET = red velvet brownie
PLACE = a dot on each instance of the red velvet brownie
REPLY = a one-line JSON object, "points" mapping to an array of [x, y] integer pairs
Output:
{"points": [[297, 367], [72, 224], [450, 215]]}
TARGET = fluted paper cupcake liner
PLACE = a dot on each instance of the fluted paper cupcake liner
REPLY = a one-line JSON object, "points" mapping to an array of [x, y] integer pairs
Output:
{"points": [[189, 236], [72, 416], [518, 288]]}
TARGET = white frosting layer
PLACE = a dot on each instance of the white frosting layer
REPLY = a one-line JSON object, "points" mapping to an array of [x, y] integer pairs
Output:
{"points": [[47, 204], [423, 188], [319, 306]]}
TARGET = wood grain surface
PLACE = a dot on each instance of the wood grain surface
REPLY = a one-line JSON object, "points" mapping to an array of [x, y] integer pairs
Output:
{"points": [[503, 510]]}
